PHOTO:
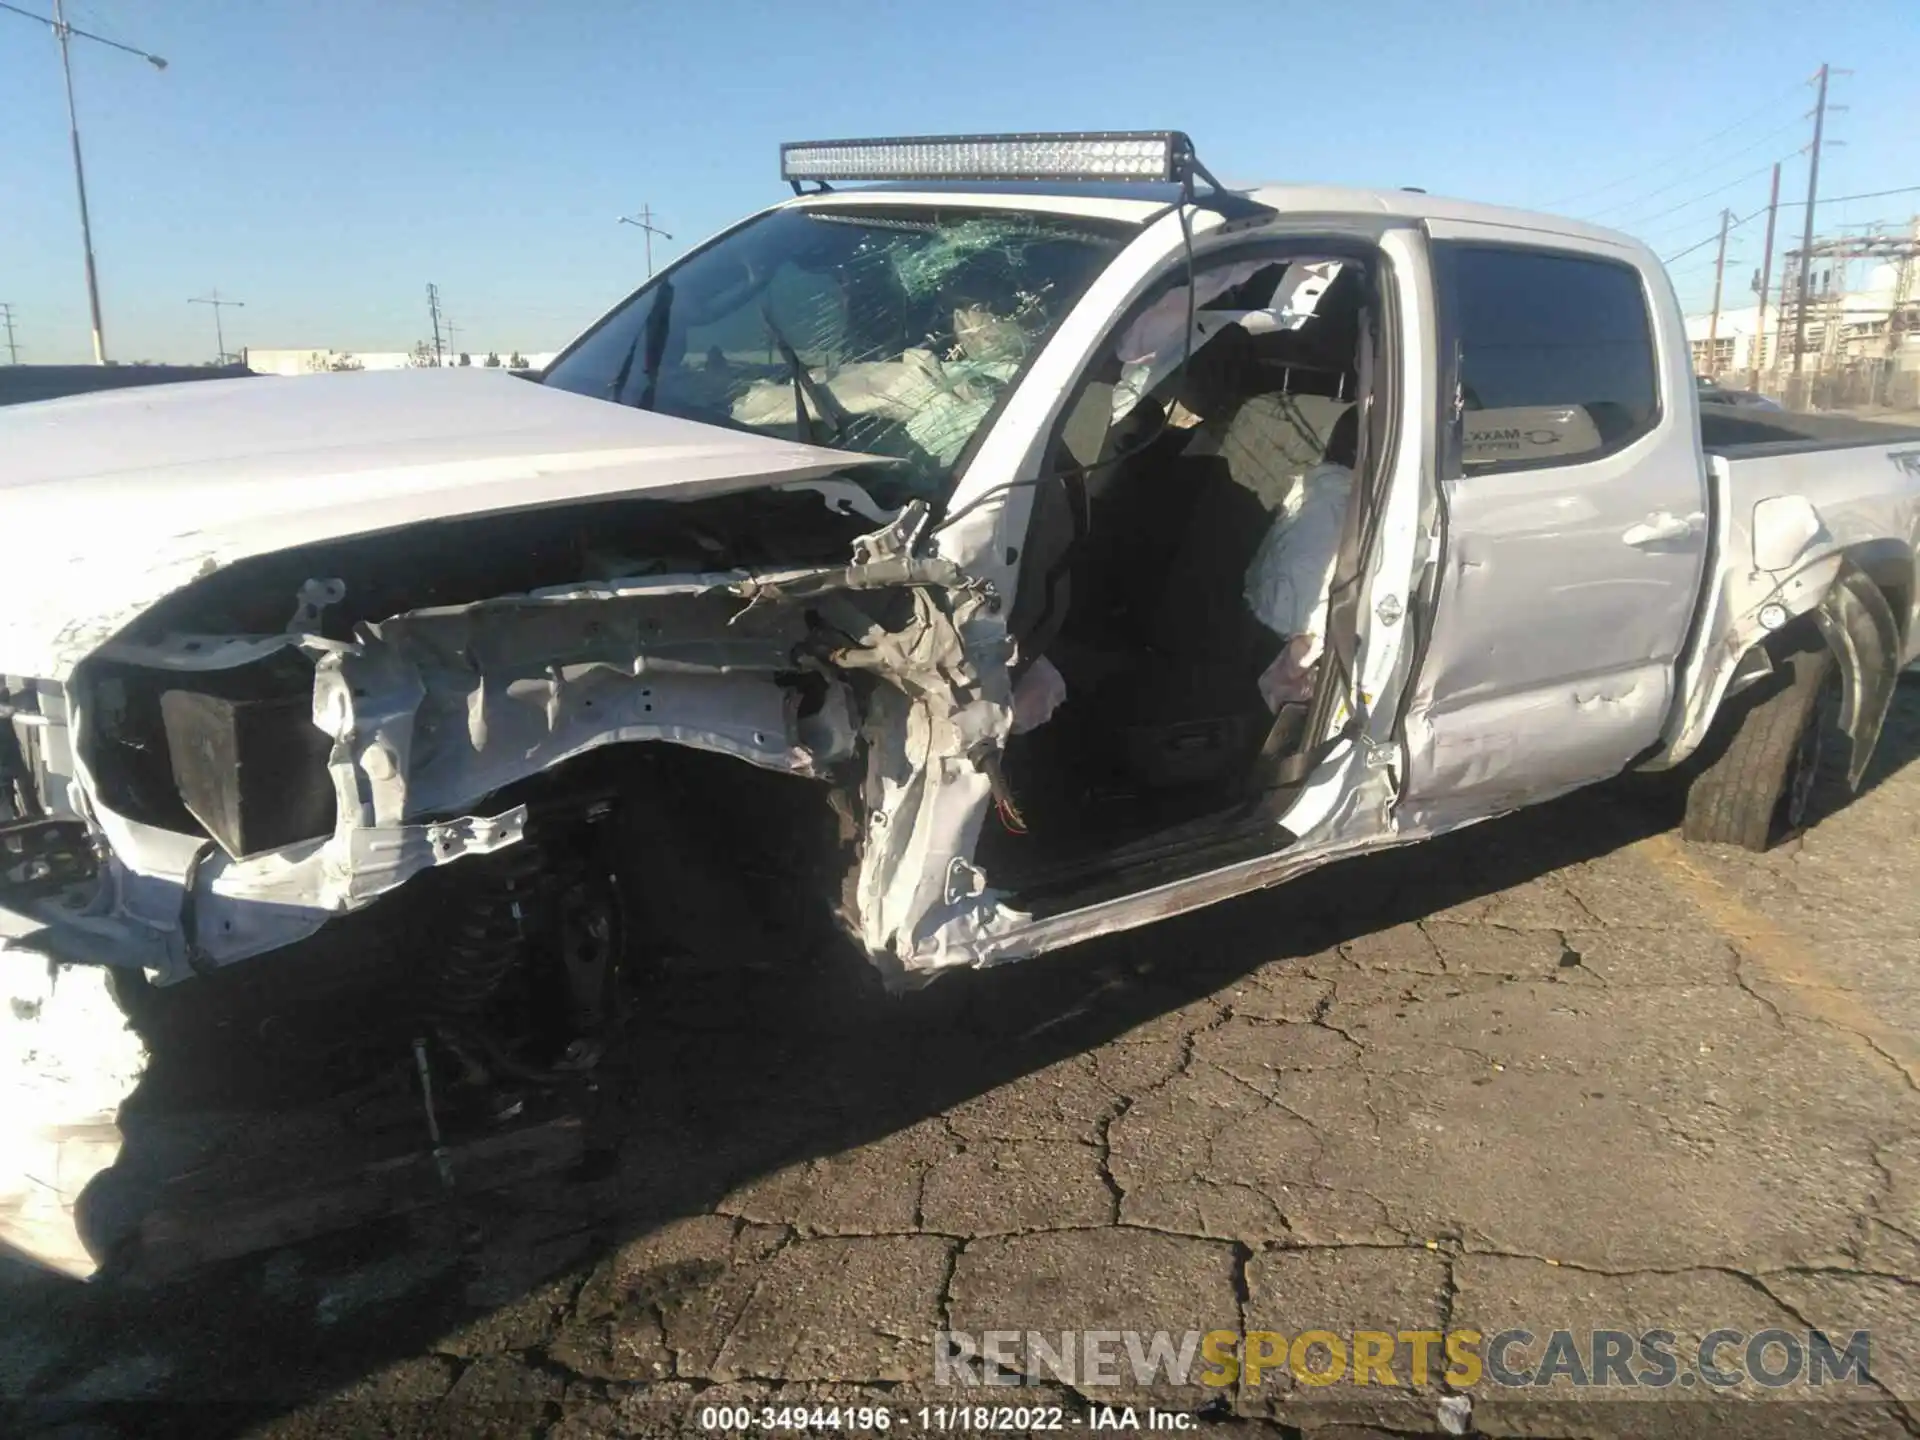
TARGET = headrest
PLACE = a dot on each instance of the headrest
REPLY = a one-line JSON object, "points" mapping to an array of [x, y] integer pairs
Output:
{"points": [[1343, 441]]}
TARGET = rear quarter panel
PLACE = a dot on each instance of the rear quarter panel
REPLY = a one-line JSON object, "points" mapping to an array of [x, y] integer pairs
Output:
{"points": [[1867, 498]]}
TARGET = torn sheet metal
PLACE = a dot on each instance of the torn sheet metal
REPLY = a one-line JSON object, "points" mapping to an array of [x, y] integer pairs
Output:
{"points": [[949, 705], [432, 710], [428, 711], [1784, 525], [1860, 629], [1346, 804], [131, 494]]}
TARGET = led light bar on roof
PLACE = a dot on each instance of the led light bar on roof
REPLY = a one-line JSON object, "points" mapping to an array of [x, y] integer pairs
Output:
{"points": [[1085, 155]]}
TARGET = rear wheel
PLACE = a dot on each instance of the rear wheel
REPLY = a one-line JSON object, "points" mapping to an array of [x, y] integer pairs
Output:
{"points": [[1759, 787]]}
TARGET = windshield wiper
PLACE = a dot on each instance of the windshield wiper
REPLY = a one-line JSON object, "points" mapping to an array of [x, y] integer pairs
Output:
{"points": [[653, 340], [806, 388]]}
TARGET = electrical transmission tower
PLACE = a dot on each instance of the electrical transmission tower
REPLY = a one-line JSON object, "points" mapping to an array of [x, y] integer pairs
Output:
{"points": [[1901, 252], [13, 350]]}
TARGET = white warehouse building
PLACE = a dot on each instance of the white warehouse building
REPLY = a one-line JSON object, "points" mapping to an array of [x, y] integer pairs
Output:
{"points": [[1869, 333]]}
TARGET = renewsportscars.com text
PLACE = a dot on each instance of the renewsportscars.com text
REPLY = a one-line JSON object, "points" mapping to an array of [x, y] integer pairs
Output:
{"points": [[1463, 1359]]}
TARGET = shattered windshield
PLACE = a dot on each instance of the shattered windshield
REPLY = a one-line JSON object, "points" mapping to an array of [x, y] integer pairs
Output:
{"points": [[889, 330]]}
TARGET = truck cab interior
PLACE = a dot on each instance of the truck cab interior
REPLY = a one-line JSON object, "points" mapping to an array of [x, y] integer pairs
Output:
{"points": [[1160, 694]]}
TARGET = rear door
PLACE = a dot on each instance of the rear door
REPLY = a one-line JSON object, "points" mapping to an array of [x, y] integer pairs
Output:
{"points": [[1573, 500]]}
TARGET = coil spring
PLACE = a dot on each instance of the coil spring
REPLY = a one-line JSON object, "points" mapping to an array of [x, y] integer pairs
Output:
{"points": [[492, 908]]}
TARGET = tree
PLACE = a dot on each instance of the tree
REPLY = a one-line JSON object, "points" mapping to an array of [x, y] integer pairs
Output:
{"points": [[423, 356], [347, 360], [492, 362], [465, 358], [518, 362]]}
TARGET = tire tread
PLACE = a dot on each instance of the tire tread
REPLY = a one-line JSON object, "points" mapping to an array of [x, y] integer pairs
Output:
{"points": [[1735, 799]]}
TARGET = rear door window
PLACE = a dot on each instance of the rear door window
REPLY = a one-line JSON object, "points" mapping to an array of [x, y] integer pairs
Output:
{"points": [[1555, 355]]}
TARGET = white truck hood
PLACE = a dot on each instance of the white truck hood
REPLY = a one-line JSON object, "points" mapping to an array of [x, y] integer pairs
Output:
{"points": [[110, 501]]}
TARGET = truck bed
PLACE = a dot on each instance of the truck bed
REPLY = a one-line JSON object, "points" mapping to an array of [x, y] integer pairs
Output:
{"points": [[1741, 434]]}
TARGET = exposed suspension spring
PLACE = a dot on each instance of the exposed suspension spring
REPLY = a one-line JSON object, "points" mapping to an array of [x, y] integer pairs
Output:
{"points": [[490, 917]]}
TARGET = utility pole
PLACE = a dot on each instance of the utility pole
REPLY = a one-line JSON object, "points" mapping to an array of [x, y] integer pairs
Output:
{"points": [[453, 345], [64, 32], [80, 181], [1766, 280], [1787, 280], [13, 350], [1806, 236], [644, 221], [1713, 325], [433, 309], [219, 334]]}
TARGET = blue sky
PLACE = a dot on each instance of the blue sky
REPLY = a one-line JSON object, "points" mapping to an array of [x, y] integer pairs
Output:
{"points": [[322, 160]]}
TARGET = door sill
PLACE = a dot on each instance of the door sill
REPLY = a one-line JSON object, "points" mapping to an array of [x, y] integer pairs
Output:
{"points": [[1244, 832]]}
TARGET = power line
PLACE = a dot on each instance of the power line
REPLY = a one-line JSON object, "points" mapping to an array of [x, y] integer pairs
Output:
{"points": [[1630, 225], [1717, 135], [1866, 195], [1696, 174], [58, 22], [1735, 225], [1794, 205]]}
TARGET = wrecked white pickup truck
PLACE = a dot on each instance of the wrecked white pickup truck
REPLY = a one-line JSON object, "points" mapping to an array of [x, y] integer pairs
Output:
{"points": [[1038, 544]]}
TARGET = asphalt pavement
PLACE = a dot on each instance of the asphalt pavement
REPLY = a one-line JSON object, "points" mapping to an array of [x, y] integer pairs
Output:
{"points": [[1558, 1071]]}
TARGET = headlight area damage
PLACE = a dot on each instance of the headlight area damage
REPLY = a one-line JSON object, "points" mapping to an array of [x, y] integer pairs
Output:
{"points": [[546, 766]]}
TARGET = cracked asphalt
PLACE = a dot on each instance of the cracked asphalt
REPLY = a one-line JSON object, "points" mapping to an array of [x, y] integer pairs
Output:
{"points": [[1556, 1071]]}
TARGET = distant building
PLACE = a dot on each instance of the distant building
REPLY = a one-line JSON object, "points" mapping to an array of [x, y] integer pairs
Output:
{"points": [[1862, 342], [314, 361]]}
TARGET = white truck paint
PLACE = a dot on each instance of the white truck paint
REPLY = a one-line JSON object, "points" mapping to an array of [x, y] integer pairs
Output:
{"points": [[1516, 634]]}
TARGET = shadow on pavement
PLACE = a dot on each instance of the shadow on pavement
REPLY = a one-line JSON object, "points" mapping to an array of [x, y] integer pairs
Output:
{"points": [[731, 1074]]}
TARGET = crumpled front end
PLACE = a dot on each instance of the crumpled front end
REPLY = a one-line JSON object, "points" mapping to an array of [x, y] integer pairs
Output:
{"points": [[68, 1061], [232, 795]]}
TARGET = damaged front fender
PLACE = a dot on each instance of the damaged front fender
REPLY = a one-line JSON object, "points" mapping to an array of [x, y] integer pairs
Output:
{"points": [[897, 657]]}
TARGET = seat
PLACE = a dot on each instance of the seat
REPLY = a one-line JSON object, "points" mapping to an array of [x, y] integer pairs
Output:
{"points": [[1241, 468]]}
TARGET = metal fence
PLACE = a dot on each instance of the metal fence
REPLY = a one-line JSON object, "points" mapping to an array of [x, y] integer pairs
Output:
{"points": [[1854, 385]]}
